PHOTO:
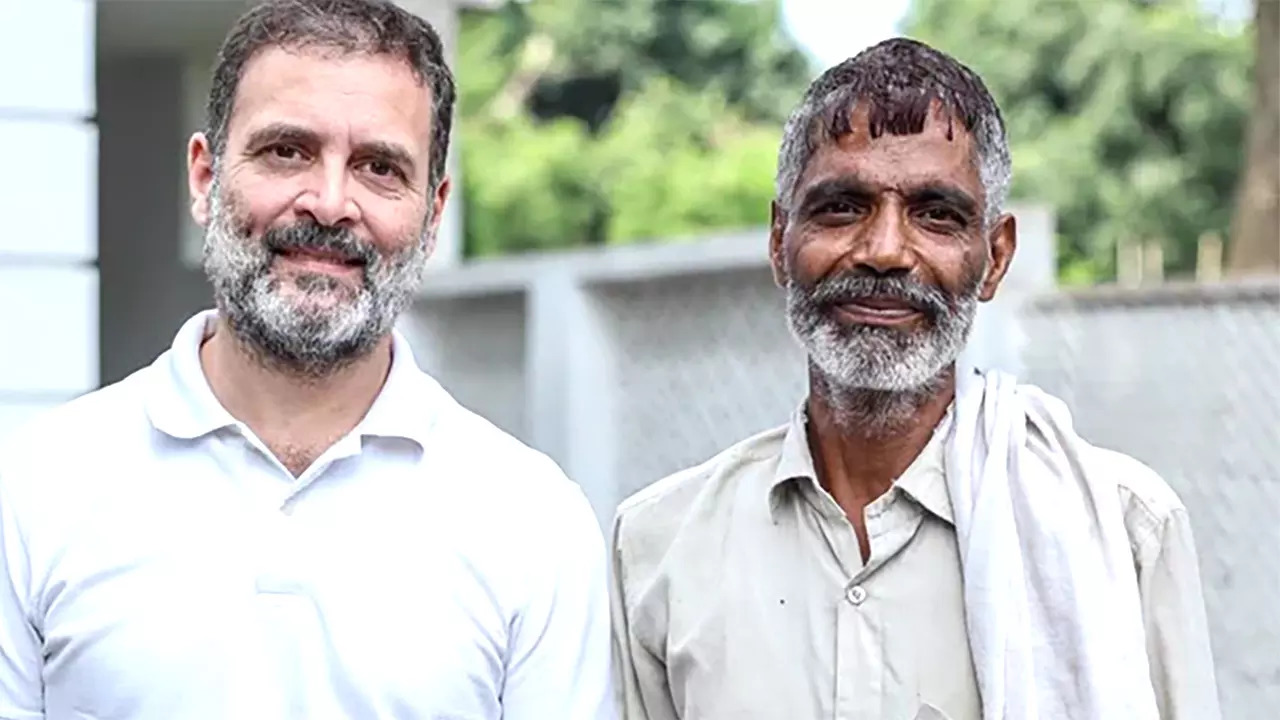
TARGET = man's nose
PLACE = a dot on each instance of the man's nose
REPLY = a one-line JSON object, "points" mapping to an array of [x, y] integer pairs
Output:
{"points": [[328, 199], [881, 246]]}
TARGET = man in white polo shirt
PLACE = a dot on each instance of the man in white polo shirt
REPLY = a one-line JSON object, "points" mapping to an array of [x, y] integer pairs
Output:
{"points": [[283, 517]]}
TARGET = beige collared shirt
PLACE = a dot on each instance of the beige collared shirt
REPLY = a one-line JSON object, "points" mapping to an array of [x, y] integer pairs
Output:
{"points": [[740, 594]]}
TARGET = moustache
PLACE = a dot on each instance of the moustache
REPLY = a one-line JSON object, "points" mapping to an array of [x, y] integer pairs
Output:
{"points": [[849, 288], [313, 237]]}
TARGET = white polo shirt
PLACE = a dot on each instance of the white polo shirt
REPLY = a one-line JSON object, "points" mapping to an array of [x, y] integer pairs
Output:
{"points": [[160, 564]]}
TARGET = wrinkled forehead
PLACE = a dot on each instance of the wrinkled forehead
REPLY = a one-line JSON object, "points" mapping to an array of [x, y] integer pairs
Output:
{"points": [[907, 112], [376, 96], [904, 145]]}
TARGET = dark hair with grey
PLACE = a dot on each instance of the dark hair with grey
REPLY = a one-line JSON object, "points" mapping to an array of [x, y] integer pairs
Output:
{"points": [[899, 80], [371, 27]]}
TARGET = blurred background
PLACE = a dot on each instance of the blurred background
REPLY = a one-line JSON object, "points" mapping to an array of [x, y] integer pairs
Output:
{"points": [[601, 289]]}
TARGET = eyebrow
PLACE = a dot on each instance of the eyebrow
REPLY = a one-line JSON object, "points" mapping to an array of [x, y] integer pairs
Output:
{"points": [[853, 187], [281, 132], [935, 192], [835, 189]]}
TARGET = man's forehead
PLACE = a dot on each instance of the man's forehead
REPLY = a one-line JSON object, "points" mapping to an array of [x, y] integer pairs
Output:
{"points": [[869, 123], [276, 62], [942, 150], [318, 89]]}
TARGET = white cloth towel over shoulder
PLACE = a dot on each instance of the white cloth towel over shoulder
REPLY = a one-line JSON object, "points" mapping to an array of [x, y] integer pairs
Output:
{"points": [[1050, 591]]}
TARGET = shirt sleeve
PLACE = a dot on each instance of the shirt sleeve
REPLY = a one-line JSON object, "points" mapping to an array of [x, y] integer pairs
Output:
{"points": [[21, 690], [560, 664], [1176, 626], [641, 677]]}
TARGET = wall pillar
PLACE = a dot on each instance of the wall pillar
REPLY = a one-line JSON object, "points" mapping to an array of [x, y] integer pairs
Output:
{"points": [[48, 198]]}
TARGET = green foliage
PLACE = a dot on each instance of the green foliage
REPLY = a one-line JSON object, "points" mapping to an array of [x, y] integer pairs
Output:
{"points": [[676, 163], [1127, 116], [529, 187], [586, 122], [487, 46], [733, 46]]}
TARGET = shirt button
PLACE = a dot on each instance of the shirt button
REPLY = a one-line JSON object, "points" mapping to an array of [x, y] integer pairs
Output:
{"points": [[855, 594]]}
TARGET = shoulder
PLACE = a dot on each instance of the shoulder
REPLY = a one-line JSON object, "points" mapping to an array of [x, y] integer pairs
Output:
{"points": [[58, 463], [703, 497], [1137, 481], [676, 495], [497, 458], [518, 487], [1149, 504], [79, 430]]}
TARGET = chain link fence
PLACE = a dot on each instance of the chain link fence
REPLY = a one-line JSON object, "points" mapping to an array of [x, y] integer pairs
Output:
{"points": [[700, 365], [1187, 379]]}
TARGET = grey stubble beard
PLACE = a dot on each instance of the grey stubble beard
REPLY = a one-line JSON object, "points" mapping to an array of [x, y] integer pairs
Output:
{"points": [[875, 379], [298, 331]]}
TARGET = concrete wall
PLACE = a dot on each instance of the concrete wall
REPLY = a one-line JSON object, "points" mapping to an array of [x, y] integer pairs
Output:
{"points": [[48, 199], [1187, 379]]}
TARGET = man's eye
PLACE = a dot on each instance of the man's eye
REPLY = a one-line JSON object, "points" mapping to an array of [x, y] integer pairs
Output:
{"points": [[839, 207], [284, 152], [383, 170], [941, 215]]}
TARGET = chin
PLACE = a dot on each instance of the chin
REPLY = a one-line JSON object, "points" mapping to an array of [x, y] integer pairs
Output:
{"points": [[336, 292]]}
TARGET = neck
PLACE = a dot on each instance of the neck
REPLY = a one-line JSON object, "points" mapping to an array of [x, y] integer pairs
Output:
{"points": [[863, 440], [296, 416]]}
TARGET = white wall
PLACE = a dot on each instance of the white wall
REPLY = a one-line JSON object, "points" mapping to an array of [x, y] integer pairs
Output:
{"points": [[48, 198]]}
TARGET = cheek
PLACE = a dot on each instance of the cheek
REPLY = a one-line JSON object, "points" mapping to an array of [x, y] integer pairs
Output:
{"points": [[261, 205], [975, 263], [814, 255], [958, 269], [395, 227], [977, 274]]}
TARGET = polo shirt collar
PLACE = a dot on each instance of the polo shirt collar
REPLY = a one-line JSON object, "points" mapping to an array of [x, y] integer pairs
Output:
{"points": [[180, 403]]}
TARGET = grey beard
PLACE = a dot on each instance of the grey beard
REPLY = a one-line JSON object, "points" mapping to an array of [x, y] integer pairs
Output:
{"points": [[876, 378], [876, 413], [287, 331]]}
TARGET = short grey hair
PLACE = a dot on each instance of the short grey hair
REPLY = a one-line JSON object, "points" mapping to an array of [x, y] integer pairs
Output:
{"points": [[371, 27], [900, 80]]}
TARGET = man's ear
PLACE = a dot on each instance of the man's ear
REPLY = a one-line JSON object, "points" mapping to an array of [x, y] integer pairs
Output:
{"points": [[437, 201], [1002, 239], [777, 228], [199, 176]]}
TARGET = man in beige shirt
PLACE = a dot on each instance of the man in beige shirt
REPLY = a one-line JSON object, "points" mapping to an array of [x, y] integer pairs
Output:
{"points": [[815, 570]]}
